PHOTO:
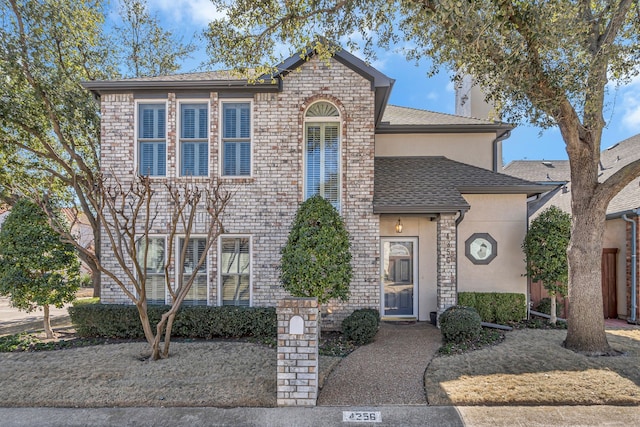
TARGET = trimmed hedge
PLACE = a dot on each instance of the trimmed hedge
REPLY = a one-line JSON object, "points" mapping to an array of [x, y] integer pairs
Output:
{"points": [[496, 307], [361, 326], [123, 321], [458, 324]]}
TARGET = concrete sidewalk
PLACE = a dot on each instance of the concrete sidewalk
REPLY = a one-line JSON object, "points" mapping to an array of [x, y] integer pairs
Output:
{"points": [[327, 416]]}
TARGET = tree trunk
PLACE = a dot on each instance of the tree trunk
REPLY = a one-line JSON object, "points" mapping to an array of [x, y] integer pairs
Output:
{"points": [[148, 331], [586, 332], [167, 335], [47, 322], [554, 318]]}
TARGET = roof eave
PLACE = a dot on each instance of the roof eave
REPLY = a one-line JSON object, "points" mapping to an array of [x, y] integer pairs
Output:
{"points": [[419, 209], [529, 190], [442, 128], [102, 86]]}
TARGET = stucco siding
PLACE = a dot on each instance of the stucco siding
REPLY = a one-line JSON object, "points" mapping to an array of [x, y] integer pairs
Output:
{"points": [[424, 229], [504, 218], [472, 148]]}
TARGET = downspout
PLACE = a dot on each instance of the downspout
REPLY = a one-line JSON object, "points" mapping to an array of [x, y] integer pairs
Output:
{"points": [[498, 139], [634, 253]]}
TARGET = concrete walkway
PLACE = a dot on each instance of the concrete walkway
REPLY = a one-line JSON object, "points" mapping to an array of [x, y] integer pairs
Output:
{"points": [[388, 371]]}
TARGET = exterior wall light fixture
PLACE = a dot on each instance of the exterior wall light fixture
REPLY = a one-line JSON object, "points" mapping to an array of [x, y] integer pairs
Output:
{"points": [[399, 226]]}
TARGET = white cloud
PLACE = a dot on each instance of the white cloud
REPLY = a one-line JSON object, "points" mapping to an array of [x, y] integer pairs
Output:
{"points": [[186, 12], [433, 96], [631, 105]]}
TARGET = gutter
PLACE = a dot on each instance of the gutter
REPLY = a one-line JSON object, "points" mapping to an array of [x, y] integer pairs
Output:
{"points": [[634, 263], [386, 128]]}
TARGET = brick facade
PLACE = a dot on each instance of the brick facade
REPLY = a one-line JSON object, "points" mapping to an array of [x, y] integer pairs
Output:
{"points": [[263, 205], [447, 264]]}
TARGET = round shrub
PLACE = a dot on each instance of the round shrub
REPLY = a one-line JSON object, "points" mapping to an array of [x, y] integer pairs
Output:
{"points": [[361, 326], [459, 324]]}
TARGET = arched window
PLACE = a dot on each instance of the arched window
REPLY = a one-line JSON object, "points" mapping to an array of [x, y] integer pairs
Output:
{"points": [[322, 152]]}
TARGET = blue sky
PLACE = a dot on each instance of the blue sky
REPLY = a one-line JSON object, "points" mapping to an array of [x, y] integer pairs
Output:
{"points": [[414, 89]]}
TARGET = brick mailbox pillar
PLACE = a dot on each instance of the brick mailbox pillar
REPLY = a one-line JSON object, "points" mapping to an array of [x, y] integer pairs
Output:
{"points": [[297, 351]]}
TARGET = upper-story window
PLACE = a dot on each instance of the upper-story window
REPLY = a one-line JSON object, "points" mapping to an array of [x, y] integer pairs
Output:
{"points": [[236, 139], [194, 139], [152, 142], [322, 152]]}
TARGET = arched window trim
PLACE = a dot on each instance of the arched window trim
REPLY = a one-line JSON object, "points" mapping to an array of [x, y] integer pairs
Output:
{"points": [[336, 118], [322, 169]]}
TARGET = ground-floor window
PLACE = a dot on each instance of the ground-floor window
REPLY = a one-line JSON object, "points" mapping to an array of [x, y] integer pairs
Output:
{"points": [[151, 259], [235, 271], [195, 247]]}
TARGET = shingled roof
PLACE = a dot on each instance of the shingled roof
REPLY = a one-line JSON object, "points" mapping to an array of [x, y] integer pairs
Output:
{"points": [[611, 160], [541, 171], [436, 184], [409, 120]]}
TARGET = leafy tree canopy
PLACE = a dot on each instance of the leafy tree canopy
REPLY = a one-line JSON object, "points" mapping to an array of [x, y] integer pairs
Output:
{"points": [[36, 268], [316, 261], [530, 56]]}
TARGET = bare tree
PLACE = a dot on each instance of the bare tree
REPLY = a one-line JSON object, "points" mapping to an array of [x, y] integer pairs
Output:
{"points": [[129, 213]]}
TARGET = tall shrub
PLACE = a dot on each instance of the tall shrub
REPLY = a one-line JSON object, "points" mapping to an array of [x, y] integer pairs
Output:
{"points": [[316, 261], [545, 246], [36, 268]]}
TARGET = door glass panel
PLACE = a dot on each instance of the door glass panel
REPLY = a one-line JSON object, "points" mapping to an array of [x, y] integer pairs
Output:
{"points": [[397, 278]]}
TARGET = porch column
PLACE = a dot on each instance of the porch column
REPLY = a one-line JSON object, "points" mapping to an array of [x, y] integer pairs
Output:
{"points": [[447, 260]]}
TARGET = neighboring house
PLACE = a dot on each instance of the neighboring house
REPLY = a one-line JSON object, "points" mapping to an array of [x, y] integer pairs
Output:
{"points": [[82, 231], [616, 256], [427, 214]]}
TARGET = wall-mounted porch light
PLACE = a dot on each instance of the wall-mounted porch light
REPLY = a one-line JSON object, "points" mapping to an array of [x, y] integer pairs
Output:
{"points": [[399, 226]]}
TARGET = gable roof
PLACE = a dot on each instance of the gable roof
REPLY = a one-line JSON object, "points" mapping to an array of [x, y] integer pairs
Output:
{"points": [[381, 85], [435, 184], [612, 159]]}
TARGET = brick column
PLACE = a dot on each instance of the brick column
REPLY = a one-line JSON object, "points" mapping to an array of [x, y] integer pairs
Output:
{"points": [[447, 262], [297, 352]]}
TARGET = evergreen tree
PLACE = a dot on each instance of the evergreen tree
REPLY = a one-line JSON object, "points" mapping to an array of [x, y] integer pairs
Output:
{"points": [[545, 246], [316, 261], [36, 268]]}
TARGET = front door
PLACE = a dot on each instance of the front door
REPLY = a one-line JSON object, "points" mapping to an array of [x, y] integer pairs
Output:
{"points": [[399, 296]]}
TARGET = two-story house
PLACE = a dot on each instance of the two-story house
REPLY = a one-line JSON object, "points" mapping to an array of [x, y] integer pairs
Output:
{"points": [[427, 214]]}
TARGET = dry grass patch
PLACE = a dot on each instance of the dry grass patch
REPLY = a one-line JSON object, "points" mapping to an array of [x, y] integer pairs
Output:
{"points": [[532, 368], [207, 373]]}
